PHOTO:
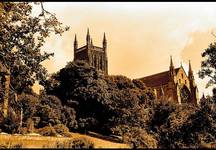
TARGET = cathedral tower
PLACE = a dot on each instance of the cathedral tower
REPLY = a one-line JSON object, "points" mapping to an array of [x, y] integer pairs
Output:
{"points": [[193, 87], [95, 56], [172, 70]]}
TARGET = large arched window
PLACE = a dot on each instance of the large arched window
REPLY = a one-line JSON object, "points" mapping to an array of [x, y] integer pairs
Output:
{"points": [[101, 63], [95, 61], [185, 95], [92, 59]]}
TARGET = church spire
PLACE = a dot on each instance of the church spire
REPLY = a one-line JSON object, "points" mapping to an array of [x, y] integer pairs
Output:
{"points": [[190, 71], [104, 41], [172, 68], [190, 68], [171, 62], [75, 43], [203, 96], [88, 37], [104, 38]]}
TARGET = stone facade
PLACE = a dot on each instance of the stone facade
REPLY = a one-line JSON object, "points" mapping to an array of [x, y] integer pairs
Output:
{"points": [[174, 85], [95, 56]]}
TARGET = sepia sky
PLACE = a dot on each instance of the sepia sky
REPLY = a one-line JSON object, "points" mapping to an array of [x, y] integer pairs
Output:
{"points": [[141, 36]]}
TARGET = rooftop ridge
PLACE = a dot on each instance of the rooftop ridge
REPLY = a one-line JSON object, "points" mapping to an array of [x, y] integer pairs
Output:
{"points": [[160, 73]]}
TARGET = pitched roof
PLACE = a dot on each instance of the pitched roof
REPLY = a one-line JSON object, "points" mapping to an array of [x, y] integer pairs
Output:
{"points": [[157, 79]]}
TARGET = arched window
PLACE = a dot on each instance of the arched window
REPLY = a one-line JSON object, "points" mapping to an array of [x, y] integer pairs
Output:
{"points": [[92, 59], [101, 62], [95, 61], [185, 94]]}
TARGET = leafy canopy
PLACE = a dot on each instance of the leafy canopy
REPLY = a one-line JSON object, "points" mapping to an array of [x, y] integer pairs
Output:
{"points": [[22, 36]]}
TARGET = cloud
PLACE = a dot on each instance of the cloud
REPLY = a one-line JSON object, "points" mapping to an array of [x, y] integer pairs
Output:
{"points": [[141, 36], [198, 42]]}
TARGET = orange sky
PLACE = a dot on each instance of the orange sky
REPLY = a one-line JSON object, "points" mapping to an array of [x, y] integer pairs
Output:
{"points": [[141, 36]]}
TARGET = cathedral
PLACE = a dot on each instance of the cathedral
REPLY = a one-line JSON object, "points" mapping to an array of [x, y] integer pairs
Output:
{"points": [[174, 85], [95, 56]]}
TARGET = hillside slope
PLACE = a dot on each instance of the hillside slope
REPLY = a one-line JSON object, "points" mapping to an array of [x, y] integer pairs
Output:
{"points": [[31, 141]]}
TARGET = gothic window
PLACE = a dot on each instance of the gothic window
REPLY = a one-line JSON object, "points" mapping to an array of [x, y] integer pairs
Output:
{"points": [[185, 95], [92, 60], [95, 61], [101, 62]]}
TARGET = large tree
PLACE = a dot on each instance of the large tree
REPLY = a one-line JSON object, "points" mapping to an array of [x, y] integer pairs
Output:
{"points": [[101, 102], [208, 65], [22, 36]]}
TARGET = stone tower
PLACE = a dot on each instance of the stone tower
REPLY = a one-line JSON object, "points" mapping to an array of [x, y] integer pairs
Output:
{"points": [[193, 87], [95, 56]]}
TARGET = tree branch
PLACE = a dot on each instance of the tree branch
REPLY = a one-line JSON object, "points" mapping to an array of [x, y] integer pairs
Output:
{"points": [[213, 34]]}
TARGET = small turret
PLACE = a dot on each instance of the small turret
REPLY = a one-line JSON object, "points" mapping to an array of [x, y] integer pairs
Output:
{"points": [[190, 72], [75, 43], [193, 87], [88, 38], [104, 42], [171, 68], [203, 96]]}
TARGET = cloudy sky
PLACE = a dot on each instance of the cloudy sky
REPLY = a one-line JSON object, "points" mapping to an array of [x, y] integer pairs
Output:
{"points": [[141, 36]]}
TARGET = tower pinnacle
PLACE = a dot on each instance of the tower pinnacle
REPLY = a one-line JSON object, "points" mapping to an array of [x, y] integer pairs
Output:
{"points": [[171, 62], [104, 41], [190, 72], [172, 68], [75, 43], [88, 37]]}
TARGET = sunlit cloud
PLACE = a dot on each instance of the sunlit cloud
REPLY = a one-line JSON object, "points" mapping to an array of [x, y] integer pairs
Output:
{"points": [[141, 36]]}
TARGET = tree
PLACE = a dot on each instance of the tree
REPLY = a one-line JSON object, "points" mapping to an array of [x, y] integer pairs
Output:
{"points": [[101, 102], [208, 65], [22, 36], [183, 126]]}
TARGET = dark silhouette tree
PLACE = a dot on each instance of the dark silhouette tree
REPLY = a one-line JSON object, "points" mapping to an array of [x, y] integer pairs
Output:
{"points": [[208, 65], [22, 36]]}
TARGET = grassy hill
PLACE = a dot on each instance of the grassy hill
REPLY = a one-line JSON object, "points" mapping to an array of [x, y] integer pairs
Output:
{"points": [[34, 141]]}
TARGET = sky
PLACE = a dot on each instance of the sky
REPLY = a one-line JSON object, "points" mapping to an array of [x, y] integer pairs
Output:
{"points": [[141, 36]]}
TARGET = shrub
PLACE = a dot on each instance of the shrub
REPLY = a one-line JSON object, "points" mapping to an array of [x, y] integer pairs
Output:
{"points": [[47, 131], [62, 130], [81, 143], [137, 137]]}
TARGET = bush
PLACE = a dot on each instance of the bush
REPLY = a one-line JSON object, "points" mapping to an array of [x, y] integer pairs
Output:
{"points": [[81, 143], [10, 124], [23, 130], [136, 136], [62, 130], [47, 131]]}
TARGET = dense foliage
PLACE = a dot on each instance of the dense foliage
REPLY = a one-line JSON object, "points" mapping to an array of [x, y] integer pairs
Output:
{"points": [[22, 36], [208, 65], [79, 98], [101, 102]]}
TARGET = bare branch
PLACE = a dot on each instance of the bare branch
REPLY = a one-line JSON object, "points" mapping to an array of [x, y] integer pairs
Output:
{"points": [[213, 34]]}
